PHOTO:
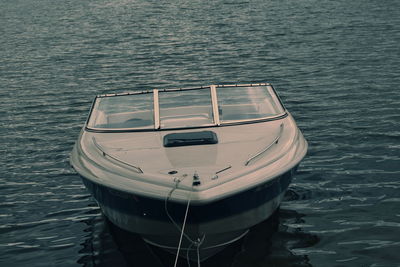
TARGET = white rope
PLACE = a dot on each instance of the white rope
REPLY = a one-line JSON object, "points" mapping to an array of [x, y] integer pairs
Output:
{"points": [[183, 230], [198, 250], [187, 254], [196, 243], [209, 247], [169, 215]]}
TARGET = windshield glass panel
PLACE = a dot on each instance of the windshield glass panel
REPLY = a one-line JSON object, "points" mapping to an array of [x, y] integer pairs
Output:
{"points": [[125, 111], [247, 103], [185, 108]]}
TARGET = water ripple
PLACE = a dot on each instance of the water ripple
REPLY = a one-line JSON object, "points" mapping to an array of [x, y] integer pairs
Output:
{"points": [[334, 64]]}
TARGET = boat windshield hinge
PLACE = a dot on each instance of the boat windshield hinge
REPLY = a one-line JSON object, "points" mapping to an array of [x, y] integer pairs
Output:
{"points": [[276, 141]]}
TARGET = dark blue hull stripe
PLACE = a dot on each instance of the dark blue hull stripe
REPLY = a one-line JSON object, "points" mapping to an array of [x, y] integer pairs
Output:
{"points": [[150, 208]]}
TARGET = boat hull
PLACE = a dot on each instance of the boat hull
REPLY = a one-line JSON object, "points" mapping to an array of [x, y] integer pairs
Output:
{"points": [[210, 227]]}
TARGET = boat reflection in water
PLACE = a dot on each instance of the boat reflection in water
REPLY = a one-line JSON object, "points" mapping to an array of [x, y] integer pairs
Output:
{"points": [[189, 170], [267, 244]]}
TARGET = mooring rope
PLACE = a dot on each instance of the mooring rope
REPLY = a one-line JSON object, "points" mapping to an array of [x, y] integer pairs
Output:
{"points": [[187, 254], [196, 243], [198, 249], [177, 181], [183, 230]]}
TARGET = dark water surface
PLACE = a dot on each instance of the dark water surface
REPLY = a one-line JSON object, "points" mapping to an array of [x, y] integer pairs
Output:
{"points": [[336, 64]]}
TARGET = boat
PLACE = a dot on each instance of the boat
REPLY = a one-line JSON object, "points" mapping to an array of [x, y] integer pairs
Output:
{"points": [[189, 169]]}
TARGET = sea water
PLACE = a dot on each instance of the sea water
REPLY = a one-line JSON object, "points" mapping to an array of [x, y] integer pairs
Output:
{"points": [[335, 64]]}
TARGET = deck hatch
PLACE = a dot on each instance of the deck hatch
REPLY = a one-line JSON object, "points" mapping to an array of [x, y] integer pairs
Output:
{"points": [[190, 139]]}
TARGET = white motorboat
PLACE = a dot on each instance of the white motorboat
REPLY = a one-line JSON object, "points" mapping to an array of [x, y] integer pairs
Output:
{"points": [[190, 170]]}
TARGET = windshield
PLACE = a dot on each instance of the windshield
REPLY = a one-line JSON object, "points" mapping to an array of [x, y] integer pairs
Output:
{"points": [[188, 108], [185, 108], [125, 111], [247, 103]]}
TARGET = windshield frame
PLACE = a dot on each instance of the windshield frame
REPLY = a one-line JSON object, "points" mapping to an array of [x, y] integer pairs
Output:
{"points": [[214, 102]]}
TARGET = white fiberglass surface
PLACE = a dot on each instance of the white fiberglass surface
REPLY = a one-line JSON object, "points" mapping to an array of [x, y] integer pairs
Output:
{"points": [[247, 103], [187, 108], [127, 111]]}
